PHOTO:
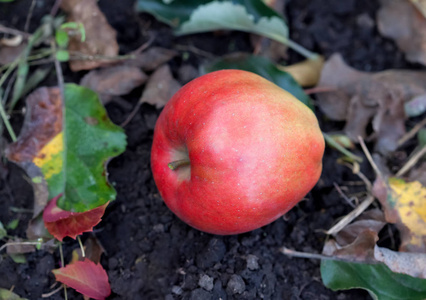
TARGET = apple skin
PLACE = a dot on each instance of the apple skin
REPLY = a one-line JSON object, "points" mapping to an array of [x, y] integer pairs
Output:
{"points": [[255, 151]]}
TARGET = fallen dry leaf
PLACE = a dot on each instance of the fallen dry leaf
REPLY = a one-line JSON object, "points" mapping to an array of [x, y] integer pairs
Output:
{"points": [[113, 81], [85, 277], [161, 86], [361, 249], [93, 250], [404, 22], [413, 264], [42, 122], [152, 58], [421, 6], [357, 240], [306, 73], [61, 223], [100, 36], [404, 205], [8, 53], [361, 98]]}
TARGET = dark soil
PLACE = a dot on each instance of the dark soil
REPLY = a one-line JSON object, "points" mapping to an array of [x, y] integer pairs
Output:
{"points": [[150, 253]]}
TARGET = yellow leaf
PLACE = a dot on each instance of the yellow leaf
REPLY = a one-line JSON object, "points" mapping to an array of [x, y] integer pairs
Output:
{"points": [[409, 200], [49, 159]]}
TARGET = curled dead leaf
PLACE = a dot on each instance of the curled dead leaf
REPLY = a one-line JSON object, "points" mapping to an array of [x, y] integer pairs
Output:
{"points": [[113, 81], [152, 58], [100, 36], [363, 98], [413, 264], [161, 86], [409, 31]]}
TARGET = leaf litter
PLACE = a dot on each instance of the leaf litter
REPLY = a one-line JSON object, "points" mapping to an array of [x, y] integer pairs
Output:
{"points": [[100, 42], [363, 99], [409, 31]]}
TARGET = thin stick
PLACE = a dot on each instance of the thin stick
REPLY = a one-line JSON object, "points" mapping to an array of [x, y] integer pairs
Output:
{"points": [[411, 162], [61, 253], [18, 244], [47, 295], [55, 8], [298, 254], [412, 132], [369, 157], [339, 190], [14, 31], [30, 14], [351, 216]]}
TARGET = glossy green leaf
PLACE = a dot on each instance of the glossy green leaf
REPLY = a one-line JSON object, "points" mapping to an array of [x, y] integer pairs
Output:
{"points": [[191, 16], [175, 13], [377, 279], [263, 67]]}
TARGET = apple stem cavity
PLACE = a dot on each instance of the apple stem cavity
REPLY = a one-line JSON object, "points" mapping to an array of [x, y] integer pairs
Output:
{"points": [[179, 163]]}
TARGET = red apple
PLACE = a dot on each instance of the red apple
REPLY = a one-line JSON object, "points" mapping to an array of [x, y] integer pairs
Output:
{"points": [[233, 152]]}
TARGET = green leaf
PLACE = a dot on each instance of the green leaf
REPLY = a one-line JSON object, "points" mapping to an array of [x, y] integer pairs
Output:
{"points": [[72, 158], [7, 294], [62, 55], [12, 225], [263, 67], [61, 37], [377, 279], [3, 231], [421, 137], [191, 16], [6, 1], [201, 16]]}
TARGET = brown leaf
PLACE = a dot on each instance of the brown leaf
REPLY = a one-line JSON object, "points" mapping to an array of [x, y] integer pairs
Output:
{"points": [[92, 248], [404, 205], [113, 81], [372, 220], [161, 86], [363, 97], [357, 240], [402, 21], [361, 249], [8, 53], [152, 58], [42, 122], [100, 36], [413, 264]]}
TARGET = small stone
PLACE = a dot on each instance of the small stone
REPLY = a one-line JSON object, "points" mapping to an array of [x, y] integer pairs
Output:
{"points": [[252, 262], [206, 282], [159, 228], [177, 290], [235, 285]]}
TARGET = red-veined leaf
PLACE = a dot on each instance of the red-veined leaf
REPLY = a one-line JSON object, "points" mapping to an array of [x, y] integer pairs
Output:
{"points": [[85, 277], [61, 223]]}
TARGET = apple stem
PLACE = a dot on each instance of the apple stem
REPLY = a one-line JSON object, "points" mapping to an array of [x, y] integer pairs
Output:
{"points": [[179, 163]]}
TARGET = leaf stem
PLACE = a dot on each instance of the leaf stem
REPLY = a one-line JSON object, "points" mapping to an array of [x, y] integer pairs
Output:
{"points": [[301, 50], [83, 253], [340, 148]]}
